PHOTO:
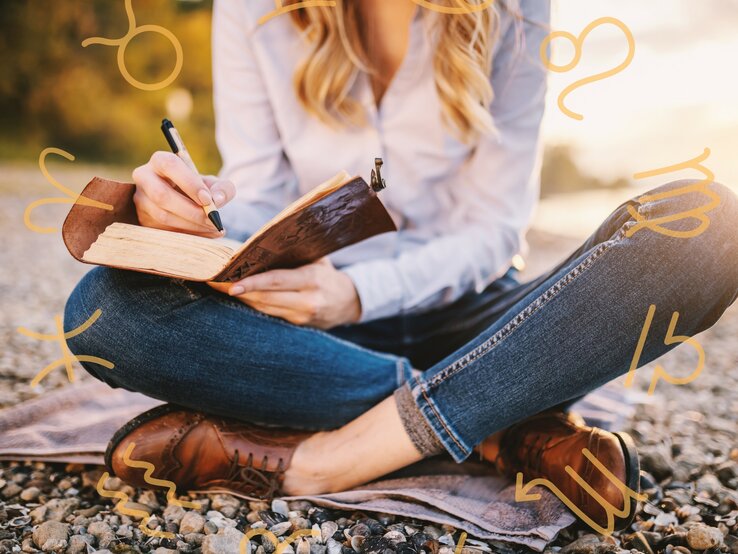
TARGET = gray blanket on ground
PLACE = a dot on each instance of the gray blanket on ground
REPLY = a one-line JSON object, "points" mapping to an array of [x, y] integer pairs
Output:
{"points": [[75, 423]]}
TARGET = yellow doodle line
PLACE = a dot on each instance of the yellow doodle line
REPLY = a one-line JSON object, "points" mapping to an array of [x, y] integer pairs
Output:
{"points": [[577, 43], [460, 546], [72, 197], [659, 372], [122, 44], [695, 213], [123, 497], [280, 546], [280, 9], [522, 494], [67, 356], [465, 8], [164, 483]]}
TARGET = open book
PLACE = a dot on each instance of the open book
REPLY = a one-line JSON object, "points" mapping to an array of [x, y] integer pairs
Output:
{"points": [[340, 212]]}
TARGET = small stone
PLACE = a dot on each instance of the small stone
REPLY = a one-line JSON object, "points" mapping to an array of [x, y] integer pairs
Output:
{"points": [[210, 528], [192, 522], [227, 539], [587, 544], [194, 538], [281, 507], [162, 550], [78, 543], [281, 528], [102, 532], [226, 504], [173, 513], [11, 490], [51, 536], [726, 471], [148, 498], [709, 484], [702, 537], [30, 494], [59, 508]]}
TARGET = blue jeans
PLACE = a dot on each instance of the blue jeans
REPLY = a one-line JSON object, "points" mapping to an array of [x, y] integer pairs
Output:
{"points": [[459, 373]]}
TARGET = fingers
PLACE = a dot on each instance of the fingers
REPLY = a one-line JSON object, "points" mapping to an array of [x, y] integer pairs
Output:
{"points": [[305, 277], [171, 167], [151, 214], [223, 191], [160, 193]]}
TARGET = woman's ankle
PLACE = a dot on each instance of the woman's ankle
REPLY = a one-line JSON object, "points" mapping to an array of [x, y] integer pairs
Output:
{"points": [[312, 470]]}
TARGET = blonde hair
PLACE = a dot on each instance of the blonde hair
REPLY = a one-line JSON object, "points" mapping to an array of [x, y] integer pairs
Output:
{"points": [[462, 64]]}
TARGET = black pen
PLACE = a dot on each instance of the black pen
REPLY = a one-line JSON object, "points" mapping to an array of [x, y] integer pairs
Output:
{"points": [[177, 145]]}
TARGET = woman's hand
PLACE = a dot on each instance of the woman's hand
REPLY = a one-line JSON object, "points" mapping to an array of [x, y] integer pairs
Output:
{"points": [[316, 294], [170, 196]]}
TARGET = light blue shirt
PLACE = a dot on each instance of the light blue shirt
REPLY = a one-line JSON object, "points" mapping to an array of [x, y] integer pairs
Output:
{"points": [[461, 211]]}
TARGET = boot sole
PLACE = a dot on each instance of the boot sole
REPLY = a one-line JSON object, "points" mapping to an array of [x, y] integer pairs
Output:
{"points": [[131, 426], [632, 476]]}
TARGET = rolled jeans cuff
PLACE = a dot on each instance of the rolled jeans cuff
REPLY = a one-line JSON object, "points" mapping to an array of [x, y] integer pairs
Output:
{"points": [[416, 426]]}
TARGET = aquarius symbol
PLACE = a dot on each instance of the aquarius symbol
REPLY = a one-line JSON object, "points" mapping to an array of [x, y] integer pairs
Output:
{"points": [[123, 497], [659, 372], [72, 197], [122, 44], [281, 9], [695, 213], [67, 356], [465, 7], [577, 42], [280, 546], [522, 494]]}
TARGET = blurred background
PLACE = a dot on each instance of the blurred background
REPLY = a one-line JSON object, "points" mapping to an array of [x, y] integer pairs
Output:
{"points": [[676, 97]]}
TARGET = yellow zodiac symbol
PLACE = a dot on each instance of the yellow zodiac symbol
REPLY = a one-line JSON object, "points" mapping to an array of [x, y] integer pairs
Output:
{"points": [[67, 356], [281, 9], [464, 7], [522, 494], [280, 546], [696, 213], [462, 540], [577, 42], [123, 497], [659, 372], [122, 44], [72, 197]]}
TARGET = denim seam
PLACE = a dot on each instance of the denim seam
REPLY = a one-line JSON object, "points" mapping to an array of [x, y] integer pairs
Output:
{"points": [[506, 331], [532, 308], [236, 305]]}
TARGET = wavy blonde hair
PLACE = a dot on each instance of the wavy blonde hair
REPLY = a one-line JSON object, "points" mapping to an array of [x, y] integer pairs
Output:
{"points": [[462, 63]]}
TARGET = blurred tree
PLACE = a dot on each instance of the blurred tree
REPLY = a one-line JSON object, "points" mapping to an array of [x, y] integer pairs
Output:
{"points": [[561, 174], [54, 92]]}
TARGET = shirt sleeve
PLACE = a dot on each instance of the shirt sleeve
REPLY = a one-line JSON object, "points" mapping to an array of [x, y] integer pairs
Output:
{"points": [[245, 128], [492, 200]]}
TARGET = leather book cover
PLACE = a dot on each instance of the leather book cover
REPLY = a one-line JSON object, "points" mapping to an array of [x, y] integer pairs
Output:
{"points": [[343, 217]]}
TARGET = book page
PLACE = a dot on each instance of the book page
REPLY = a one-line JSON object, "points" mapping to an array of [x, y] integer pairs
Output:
{"points": [[144, 248]]}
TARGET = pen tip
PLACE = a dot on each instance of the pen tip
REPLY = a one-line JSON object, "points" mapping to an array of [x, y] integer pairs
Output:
{"points": [[166, 123], [214, 216]]}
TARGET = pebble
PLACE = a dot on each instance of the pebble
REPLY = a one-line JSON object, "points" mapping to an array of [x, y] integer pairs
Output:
{"points": [[192, 522], [51, 536], [281, 507], [702, 537], [227, 539], [30, 494], [226, 504]]}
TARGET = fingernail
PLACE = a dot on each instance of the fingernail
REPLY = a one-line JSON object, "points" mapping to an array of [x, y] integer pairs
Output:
{"points": [[219, 198], [236, 290], [204, 196]]}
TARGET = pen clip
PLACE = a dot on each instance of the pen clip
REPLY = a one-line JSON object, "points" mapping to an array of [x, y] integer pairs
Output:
{"points": [[377, 182]]}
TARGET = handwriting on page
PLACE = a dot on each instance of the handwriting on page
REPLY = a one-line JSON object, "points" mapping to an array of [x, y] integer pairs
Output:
{"points": [[67, 356], [72, 197], [577, 43], [122, 44]]}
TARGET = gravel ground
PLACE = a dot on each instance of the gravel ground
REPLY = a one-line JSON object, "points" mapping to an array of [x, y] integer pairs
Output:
{"points": [[686, 434]]}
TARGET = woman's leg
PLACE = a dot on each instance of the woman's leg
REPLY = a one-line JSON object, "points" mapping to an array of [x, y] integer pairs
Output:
{"points": [[186, 344], [574, 330]]}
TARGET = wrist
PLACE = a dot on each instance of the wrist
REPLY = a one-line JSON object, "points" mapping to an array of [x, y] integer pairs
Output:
{"points": [[353, 304]]}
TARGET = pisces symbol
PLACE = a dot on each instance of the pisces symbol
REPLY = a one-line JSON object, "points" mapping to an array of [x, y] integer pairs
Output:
{"points": [[577, 43], [67, 356], [122, 44], [72, 197], [281, 9], [659, 372], [123, 497], [523, 494], [696, 213]]}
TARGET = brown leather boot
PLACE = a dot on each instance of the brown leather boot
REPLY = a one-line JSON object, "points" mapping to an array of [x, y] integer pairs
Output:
{"points": [[544, 445], [202, 453]]}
